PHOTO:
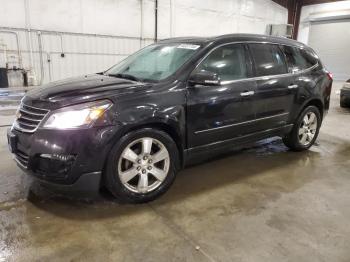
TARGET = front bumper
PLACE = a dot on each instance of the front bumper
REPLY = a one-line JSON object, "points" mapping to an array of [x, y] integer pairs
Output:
{"points": [[66, 159], [87, 185]]}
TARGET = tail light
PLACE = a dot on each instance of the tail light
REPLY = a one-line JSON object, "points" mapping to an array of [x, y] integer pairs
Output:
{"points": [[329, 87], [330, 75]]}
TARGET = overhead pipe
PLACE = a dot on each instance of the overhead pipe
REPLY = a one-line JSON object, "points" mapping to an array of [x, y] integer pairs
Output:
{"points": [[40, 44], [18, 46], [61, 36], [58, 35], [5, 52], [156, 21], [141, 23], [48, 57], [71, 33], [28, 30]]}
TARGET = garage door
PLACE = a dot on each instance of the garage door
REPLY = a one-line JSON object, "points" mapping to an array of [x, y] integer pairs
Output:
{"points": [[331, 40]]}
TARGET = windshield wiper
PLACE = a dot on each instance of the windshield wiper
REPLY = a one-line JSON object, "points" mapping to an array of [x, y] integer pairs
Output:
{"points": [[126, 76]]}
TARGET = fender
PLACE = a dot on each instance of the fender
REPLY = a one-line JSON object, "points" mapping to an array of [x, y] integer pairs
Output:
{"points": [[317, 101], [316, 93], [154, 110]]}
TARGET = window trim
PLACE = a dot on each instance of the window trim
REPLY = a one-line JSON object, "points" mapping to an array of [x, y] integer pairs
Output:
{"points": [[250, 60]]}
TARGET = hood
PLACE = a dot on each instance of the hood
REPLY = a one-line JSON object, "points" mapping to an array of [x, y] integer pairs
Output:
{"points": [[81, 89]]}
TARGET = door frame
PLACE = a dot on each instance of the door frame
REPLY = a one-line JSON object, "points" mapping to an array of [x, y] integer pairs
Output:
{"points": [[224, 84]]}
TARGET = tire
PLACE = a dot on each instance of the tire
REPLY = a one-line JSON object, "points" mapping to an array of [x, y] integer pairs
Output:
{"points": [[342, 102], [139, 189], [296, 140]]}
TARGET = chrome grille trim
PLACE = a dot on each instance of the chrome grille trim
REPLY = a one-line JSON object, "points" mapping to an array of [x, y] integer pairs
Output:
{"points": [[22, 159], [35, 114], [29, 118], [26, 124]]}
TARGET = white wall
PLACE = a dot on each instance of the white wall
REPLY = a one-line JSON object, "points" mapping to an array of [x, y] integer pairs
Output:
{"points": [[90, 53], [320, 11], [215, 17]]}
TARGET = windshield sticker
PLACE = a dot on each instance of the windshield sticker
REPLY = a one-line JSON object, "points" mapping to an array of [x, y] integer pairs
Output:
{"points": [[189, 46]]}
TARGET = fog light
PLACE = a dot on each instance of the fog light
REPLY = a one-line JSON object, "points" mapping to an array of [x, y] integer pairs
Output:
{"points": [[59, 157], [53, 166]]}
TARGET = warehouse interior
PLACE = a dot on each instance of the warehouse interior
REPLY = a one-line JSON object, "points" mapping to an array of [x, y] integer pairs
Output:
{"points": [[259, 202]]}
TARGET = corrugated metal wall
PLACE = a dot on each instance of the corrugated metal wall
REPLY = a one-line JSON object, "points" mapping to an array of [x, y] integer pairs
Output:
{"points": [[93, 53], [62, 52]]}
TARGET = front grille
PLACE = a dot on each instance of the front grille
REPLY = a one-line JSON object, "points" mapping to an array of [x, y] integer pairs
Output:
{"points": [[22, 158], [28, 118]]}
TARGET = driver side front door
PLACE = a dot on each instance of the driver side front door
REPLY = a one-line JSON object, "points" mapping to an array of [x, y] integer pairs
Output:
{"points": [[220, 112]]}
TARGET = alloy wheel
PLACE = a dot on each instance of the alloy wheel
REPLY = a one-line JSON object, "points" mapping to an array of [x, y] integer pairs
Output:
{"points": [[143, 165], [307, 128]]}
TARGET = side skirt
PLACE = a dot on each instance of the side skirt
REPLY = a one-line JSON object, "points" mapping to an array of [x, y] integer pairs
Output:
{"points": [[199, 153]]}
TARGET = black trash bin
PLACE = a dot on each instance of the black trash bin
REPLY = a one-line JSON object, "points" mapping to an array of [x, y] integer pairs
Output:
{"points": [[4, 81]]}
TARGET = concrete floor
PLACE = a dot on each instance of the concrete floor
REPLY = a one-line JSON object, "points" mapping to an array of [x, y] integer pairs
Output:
{"points": [[260, 204]]}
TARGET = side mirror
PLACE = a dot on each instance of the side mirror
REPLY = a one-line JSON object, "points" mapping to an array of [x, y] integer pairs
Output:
{"points": [[204, 78]]}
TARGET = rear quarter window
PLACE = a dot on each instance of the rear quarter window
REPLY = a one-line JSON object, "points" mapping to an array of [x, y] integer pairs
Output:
{"points": [[310, 58], [298, 59]]}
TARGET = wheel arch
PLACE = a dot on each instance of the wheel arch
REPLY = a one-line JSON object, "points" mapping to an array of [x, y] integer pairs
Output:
{"points": [[314, 102], [165, 127]]}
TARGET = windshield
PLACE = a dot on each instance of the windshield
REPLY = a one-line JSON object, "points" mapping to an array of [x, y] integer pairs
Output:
{"points": [[155, 62]]}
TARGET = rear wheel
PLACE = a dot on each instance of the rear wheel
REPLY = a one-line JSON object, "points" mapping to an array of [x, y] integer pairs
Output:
{"points": [[305, 130], [141, 166]]}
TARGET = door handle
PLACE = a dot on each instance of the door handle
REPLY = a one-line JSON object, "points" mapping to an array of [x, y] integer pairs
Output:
{"points": [[292, 86], [248, 93]]}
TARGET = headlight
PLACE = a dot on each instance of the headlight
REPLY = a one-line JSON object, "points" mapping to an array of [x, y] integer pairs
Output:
{"points": [[82, 115]]}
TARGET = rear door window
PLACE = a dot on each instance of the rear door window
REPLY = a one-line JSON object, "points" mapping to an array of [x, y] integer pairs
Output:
{"points": [[268, 58]]}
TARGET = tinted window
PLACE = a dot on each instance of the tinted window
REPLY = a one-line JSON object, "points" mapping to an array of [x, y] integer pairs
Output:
{"points": [[268, 59], [298, 59], [228, 61], [310, 58]]}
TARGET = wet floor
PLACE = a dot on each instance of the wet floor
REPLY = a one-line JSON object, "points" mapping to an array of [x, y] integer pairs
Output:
{"points": [[263, 203]]}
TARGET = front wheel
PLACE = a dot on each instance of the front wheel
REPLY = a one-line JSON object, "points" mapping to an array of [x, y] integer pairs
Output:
{"points": [[305, 130], [141, 166]]}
